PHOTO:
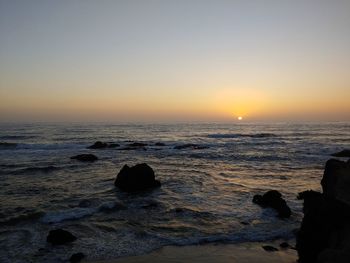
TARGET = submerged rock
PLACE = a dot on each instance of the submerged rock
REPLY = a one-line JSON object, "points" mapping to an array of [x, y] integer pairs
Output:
{"points": [[8, 145], [190, 146], [274, 200], [103, 145], [324, 235], [77, 257], [159, 144], [60, 237], [269, 248], [343, 153], [85, 157], [137, 178]]}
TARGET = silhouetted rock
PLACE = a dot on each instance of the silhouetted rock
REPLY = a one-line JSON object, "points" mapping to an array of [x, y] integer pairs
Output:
{"points": [[190, 146], [98, 145], [77, 257], [85, 157], [137, 178], [343, 153], [60, 237], [269, 248], [336, 181], [274, 200], [324, 235], [159, 144]]}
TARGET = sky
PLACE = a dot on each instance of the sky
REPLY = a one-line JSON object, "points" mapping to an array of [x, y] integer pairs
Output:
{"points": [[184, 60]]}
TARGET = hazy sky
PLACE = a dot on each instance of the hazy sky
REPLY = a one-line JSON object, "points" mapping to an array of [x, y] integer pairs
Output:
{"points": [[174, 60]]}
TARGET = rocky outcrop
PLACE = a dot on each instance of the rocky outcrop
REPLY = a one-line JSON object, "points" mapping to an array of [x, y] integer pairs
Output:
{"points": [[324, 235], [85, 157], [60, 237], [274, 200], [137, 178]]}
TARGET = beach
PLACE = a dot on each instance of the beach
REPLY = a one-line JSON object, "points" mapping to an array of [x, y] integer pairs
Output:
{"points": [[218, 253]]}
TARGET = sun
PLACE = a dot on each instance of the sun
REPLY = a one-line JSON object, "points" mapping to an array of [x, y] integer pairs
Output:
{"points": [[240, 118]]}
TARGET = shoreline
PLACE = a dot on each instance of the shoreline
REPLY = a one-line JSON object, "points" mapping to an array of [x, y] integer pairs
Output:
{"points": [[249, 252]]}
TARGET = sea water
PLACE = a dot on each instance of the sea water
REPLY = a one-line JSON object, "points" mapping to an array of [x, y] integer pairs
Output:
{"points": [[206, 193]]}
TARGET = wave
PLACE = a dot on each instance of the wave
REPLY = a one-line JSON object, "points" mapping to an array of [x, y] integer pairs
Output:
{"points": [[79, 212], [17, 137], [239, 135], [38, 169], [23, 217]]}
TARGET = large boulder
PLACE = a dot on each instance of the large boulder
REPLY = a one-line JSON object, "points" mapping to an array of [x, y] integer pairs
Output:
{"points": [[324, 235], [137, 178], [85, 157], [60, 237], [274, 200]]}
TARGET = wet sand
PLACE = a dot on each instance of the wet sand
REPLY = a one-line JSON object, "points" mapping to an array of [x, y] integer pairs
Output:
{"points": [[218, 253]]}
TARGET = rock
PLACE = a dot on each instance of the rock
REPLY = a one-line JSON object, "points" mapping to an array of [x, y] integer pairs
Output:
{"points": [[269, 248], [191, 146], [284, 245], [98, 145], [113, 145], [137, 144], [324, 235], [336, 181], [274, 200], [103, 145], [137, 178], [85, 157], [60, 237], [6, 145], [343, 153], [77, 257], [159, 144]]}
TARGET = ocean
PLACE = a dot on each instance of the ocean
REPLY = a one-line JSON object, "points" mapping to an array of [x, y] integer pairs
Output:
{"points": [[206, 193]]}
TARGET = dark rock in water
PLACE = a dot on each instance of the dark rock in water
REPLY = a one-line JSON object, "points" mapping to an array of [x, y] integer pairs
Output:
{"points": [[85, 157], [284, 245], [343, 153], [60, 237], [113, 145], [306, 194], [269, 248], [98, 145], [324, 235], [244, 223], [190, 146], [137, 144], [159, 144], [103, 145], [77, 257], [137, 178], [274, 200], [8, 145]]}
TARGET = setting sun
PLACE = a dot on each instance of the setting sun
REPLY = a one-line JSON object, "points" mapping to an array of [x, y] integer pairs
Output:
{"points": [[240, 118]]}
